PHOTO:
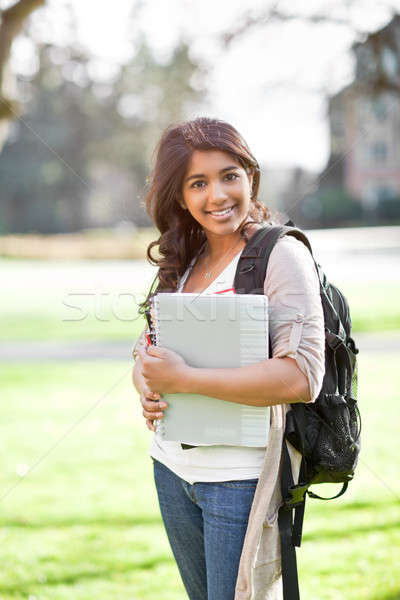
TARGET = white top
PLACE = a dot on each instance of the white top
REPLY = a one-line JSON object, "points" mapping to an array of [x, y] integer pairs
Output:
{"points": [[210, 463], [297, 330]]}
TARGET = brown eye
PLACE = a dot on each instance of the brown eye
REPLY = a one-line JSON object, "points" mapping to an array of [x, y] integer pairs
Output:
{"points": [[194, 185], [232, 176]]}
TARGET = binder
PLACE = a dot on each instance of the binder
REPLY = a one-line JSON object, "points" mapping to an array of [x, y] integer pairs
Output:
{"points": [[212, 331]]}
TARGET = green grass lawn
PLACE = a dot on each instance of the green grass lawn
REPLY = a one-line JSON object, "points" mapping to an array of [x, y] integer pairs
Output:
{"points": [[72, 300], [84, 524], [373, 308]]}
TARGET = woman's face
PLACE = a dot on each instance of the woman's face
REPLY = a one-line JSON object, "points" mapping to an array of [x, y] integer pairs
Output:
{"points": [[216, 190]]}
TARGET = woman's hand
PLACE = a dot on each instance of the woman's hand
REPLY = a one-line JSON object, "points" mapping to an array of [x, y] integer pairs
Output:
{"points": [[163, 370], [153, 406], [151, 402]]}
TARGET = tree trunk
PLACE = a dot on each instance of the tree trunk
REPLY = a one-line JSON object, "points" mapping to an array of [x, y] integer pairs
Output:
{"points": [[12, 20]]}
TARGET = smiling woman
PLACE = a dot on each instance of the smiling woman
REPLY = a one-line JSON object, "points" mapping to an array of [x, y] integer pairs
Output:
{"points": [[215, 500], [220, 193], [217, 194], [202, 166]]}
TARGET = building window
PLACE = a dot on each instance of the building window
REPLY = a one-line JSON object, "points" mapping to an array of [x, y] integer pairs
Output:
{"points": [[379, 152], [379, 109], [389, 62]]}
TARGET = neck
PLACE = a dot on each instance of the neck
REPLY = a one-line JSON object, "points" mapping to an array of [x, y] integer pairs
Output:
{"points": [[219, 245]]}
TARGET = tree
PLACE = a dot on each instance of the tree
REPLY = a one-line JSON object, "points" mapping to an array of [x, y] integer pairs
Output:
{"points": [[11, 22], [147, 96], [81, 154], [43, 165]]}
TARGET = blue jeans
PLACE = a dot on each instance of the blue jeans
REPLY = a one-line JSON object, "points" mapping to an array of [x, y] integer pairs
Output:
{"points": [[205, 524]]}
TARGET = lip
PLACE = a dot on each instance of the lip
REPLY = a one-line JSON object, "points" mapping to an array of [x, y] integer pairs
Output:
{"points": [[209, 212]]}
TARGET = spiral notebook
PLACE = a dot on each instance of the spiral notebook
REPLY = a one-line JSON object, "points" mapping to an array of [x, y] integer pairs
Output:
{"points": [[213, 331]]}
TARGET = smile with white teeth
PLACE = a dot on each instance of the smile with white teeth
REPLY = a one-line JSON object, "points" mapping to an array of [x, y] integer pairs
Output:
{"points": [[220, 212]]}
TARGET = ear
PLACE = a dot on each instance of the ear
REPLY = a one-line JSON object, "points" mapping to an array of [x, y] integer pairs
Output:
{"points": [[181, 202]]}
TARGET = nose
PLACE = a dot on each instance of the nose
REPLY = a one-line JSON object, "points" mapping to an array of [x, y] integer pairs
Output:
{"points": [[217, 193]]}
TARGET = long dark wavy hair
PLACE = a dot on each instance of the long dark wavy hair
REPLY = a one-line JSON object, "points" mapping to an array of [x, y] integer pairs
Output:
{"points": [[181, 236]]}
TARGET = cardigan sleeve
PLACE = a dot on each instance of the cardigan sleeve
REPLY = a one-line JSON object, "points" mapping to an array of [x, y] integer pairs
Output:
{"points": [[296, 318]]}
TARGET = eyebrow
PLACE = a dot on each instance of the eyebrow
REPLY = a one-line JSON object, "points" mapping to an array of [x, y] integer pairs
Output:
{"points": [[202, 175]]}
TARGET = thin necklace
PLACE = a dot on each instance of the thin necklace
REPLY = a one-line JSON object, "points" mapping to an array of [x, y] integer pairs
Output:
{"points": [[207, 274]]}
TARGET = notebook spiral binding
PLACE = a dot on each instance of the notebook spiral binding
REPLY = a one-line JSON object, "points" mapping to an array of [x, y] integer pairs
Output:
{"points": [[160, 428]]}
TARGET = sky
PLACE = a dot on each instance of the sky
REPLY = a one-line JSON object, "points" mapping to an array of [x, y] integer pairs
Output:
{"points": [[271, 84]]}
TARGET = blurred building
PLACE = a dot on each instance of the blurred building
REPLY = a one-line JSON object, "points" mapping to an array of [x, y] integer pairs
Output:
{"points": [[361, 181], [365, 125]]}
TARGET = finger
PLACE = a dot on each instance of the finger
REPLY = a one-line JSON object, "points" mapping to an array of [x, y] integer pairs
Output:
{"points": [[156, 351], [153, 416], [151, 395], [152, 407], [149, 405], [150, 425], [141, 352]]}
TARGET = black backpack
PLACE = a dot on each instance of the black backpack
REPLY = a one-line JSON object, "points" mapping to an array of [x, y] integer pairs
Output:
{"points": [[327, 432]]}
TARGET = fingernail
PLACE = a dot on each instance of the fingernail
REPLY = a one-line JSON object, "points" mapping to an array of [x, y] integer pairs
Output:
{"points": [[163, 405]]}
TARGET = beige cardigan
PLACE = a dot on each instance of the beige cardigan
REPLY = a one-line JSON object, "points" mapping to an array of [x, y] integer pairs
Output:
{"points": [[259, 575], [297, 330]]}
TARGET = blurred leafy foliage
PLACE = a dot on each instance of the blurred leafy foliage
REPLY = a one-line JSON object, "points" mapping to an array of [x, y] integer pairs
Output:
{"points": [[389, 208], [331, 207], [81, 153]]}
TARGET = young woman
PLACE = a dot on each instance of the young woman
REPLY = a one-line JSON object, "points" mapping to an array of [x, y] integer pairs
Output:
{"points": [[215, 501]]}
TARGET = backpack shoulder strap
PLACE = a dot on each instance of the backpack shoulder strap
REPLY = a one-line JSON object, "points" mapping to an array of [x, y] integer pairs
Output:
{"points": [[253, 261]]}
